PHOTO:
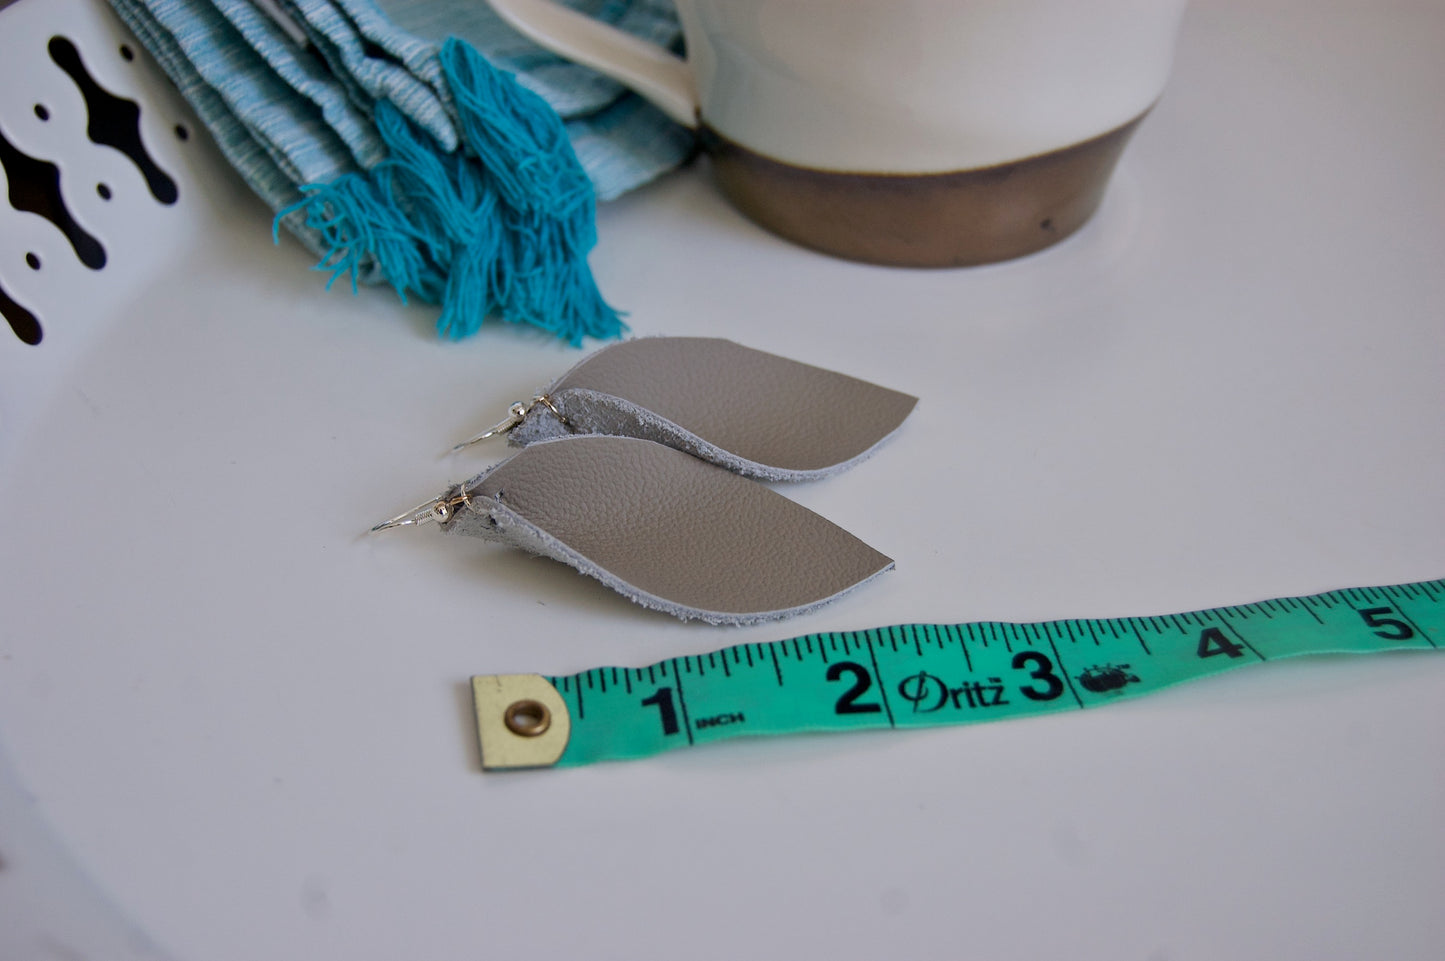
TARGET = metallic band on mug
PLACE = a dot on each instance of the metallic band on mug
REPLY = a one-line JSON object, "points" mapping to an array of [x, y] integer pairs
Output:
{"points": [[951, 219]]}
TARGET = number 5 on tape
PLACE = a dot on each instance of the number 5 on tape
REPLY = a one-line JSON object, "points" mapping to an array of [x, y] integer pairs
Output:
{"points": [[923, 675]]}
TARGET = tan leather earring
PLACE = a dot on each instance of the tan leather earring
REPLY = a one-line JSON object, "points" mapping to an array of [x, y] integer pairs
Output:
{"points": [[663, 528], [752, 412]]}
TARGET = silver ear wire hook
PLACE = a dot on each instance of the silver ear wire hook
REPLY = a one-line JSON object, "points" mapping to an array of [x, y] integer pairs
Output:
{"points": [[439, 510], [435, 510], [515, 415]]}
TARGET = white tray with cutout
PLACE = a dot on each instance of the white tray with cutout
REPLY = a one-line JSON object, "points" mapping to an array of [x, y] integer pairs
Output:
{"points": [[235, 726]]}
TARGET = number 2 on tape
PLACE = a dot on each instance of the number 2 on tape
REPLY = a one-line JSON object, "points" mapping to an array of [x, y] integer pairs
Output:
{"points": [[922, 675]]}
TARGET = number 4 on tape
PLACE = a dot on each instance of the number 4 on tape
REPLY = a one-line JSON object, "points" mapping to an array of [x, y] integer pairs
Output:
{"points": [[922, 675]]}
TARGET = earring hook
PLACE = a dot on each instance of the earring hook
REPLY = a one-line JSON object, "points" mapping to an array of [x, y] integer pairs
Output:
{"points": [[515, 415], [438, 510]]}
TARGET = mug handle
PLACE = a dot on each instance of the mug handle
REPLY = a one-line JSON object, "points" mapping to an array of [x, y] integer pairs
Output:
{"points": [[653, 72]]}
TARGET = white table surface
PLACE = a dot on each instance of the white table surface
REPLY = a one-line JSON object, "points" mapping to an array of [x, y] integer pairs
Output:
{"points": [[232, 726]]}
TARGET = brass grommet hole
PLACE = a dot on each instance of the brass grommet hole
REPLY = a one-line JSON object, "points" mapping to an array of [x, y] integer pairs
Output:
{"points": [[527, 718]]}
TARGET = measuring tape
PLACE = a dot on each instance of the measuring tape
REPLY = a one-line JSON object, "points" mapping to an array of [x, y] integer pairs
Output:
{"points": [[923, 675]]}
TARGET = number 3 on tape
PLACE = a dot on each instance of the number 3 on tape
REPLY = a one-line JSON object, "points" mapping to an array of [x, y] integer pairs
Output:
{"points": [[922, 675]]}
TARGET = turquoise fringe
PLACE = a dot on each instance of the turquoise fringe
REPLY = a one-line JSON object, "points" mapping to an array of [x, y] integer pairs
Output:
{"points": [[501, 227]]}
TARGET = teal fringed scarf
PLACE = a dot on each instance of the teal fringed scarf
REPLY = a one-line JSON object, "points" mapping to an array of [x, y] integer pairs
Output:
{"points": [[501, 227], [463, 172]]}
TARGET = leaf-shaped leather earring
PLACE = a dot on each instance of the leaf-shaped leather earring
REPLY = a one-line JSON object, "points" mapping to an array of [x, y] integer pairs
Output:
{"points": [[749, 411], [669, 531]]}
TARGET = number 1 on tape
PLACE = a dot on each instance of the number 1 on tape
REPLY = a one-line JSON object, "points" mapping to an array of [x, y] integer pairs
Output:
{"points": [[924, 675]]}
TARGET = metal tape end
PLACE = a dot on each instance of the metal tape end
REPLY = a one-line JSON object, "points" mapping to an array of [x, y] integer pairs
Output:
{"points": [[521, 721]]}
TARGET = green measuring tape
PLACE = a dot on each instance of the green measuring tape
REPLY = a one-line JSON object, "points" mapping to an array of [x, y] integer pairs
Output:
{"points": [[923, 675]]}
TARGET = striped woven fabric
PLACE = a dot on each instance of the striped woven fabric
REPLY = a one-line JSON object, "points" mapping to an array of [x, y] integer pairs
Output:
{"points": [[385, 134]]}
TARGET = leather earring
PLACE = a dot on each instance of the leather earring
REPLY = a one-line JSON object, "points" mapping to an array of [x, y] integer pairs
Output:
{"points": [[665, 529], [751, 412]]}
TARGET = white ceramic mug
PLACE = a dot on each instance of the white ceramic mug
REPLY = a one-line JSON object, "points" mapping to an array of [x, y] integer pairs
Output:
{"points": [[917, 132]]}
